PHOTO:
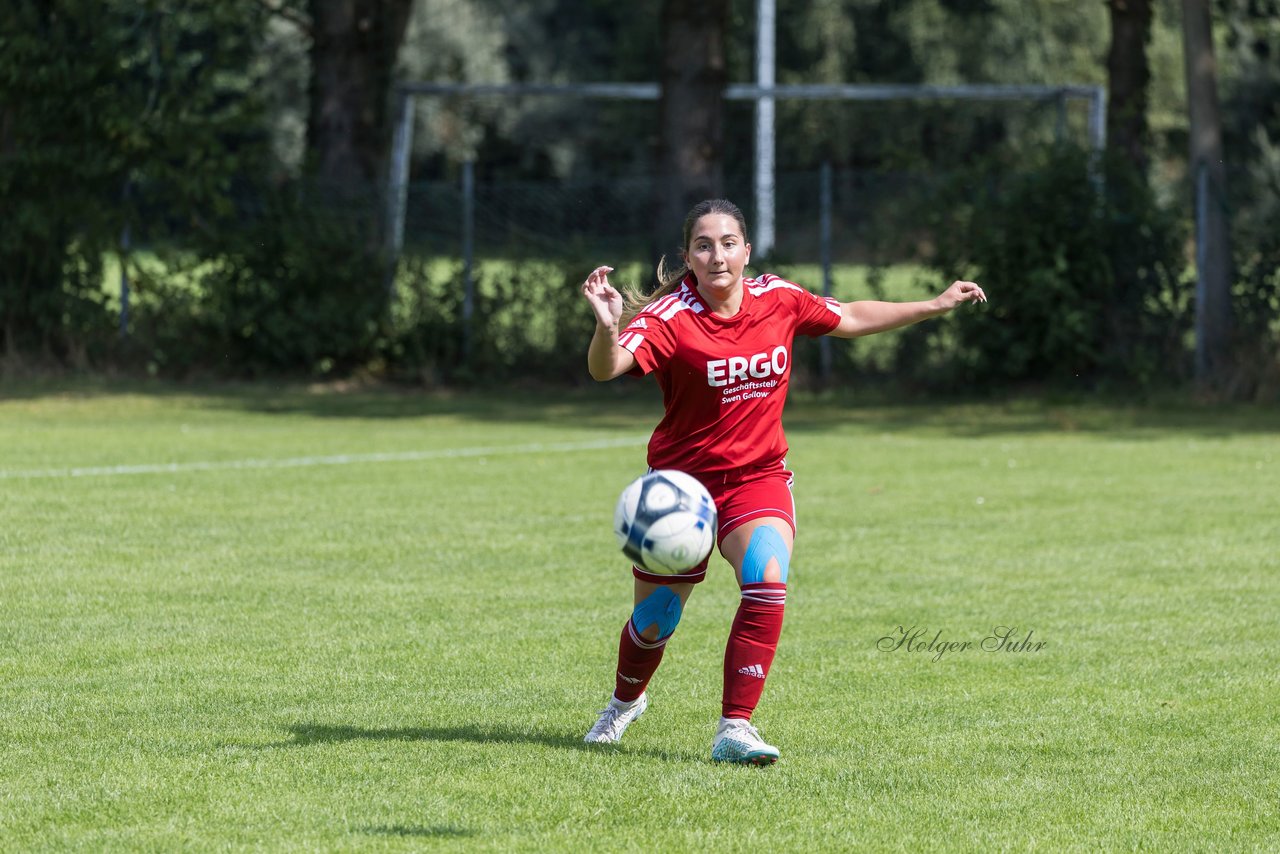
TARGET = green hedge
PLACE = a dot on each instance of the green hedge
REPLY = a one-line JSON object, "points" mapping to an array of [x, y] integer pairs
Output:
{"points": [[1086, 272]]}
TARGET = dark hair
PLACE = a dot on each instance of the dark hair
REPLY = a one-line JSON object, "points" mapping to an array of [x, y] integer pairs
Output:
{"points": [[670, 277]]}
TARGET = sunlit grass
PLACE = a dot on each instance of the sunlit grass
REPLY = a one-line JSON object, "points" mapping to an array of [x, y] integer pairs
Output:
{"points": [[399, 654]]}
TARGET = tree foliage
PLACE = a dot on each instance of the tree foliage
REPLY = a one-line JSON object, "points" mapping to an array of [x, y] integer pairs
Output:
{"points": [[109, 109], [183, 124], [1086, 285], [1251, 129]]}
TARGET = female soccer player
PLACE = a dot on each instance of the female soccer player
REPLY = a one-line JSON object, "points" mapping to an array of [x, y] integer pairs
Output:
{"points": [[720, 344]]}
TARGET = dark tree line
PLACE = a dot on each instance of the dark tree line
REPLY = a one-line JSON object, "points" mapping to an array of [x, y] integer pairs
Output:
{"points": [[117, 115]]}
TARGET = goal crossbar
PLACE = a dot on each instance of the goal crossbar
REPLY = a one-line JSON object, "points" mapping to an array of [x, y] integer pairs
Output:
{"points": [[750, 92], [402, 139]]}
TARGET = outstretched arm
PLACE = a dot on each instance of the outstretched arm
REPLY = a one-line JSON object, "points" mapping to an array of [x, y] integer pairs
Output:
{"points": [[605, 359], [866, 317]]}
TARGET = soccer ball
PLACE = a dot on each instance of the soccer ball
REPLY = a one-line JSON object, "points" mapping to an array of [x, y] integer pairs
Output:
{"points": [[665, 522]]}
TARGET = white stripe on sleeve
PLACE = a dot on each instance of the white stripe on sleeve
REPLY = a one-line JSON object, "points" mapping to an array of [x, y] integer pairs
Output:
{"points": [[631, 342]]}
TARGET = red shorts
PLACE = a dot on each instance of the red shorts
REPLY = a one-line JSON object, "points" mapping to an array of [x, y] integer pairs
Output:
{"points": [[740, 496]]}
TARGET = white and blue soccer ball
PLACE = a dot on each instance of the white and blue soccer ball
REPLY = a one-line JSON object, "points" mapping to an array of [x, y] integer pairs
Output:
{"points": [[665, 522]]}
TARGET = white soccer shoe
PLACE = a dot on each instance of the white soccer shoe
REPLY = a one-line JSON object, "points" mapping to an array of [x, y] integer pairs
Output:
{"points": [[738, 741], [615, 718]]}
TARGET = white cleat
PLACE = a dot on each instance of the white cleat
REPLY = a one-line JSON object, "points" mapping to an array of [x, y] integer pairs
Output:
{"points": [[738, 741], [615, 718]]}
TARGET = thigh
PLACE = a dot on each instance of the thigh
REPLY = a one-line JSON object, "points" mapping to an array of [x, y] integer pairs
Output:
{"points": [[766, 496]]}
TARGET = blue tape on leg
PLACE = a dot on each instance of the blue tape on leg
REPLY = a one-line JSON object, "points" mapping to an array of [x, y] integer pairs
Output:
{"points": [[662, 607], [766, 544]]}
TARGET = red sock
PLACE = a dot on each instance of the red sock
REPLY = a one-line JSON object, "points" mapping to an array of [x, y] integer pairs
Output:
{"points": [[637, 660], [753, 640]]}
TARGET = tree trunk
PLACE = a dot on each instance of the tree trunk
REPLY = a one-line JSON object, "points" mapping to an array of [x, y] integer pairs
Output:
{"points": [[1208, 175], [691, 114], [1128, 78], [353, 54]]}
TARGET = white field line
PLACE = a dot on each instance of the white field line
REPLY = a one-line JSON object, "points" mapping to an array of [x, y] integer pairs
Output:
{"points": [[337, 460]]}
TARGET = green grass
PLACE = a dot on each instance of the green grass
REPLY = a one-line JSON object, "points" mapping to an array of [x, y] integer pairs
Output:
{"points": [[405, 654]]}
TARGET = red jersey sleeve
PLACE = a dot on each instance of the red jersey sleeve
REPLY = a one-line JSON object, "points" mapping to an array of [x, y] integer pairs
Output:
{"points": [[650, 339], [815, 315]]}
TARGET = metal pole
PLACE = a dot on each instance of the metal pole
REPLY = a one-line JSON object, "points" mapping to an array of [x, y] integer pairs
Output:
{"points": [[824, 205], [124, 281], [1098, 119], [125, 241], [1097, 134], [468, 250], [766, 23], [1213, 233], [398, 186], [905, 92], [1202, 291], [755, 91]]}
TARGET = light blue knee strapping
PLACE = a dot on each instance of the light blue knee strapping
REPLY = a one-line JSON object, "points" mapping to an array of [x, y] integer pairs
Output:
{"points": [[766, 543], [662, 607]]}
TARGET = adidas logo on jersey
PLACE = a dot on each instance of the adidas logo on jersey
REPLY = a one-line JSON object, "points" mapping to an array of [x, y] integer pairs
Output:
{"points": [[639, 323], [752, 670]]}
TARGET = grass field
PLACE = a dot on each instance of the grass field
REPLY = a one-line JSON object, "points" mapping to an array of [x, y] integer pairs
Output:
{"points": [[256, 618]]}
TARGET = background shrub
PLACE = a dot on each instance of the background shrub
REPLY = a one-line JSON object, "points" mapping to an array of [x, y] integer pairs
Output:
{"points": [[1086, 272]]}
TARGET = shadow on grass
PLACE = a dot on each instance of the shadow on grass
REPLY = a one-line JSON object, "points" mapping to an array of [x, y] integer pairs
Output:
{"points": [[309, 734], [305, 734], [631, 405], [439, 832], [619, 405]]}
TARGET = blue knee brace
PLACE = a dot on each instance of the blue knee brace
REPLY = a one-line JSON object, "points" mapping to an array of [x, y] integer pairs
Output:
{"points": [[662, 607], [766, 544]]}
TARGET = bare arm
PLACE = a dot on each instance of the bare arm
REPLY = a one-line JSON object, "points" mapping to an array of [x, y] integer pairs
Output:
{"points": [[605, 359], [867, 317]]}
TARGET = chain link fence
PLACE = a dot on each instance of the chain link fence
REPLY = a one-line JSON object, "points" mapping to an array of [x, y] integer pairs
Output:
{"points": [[873, 217]]}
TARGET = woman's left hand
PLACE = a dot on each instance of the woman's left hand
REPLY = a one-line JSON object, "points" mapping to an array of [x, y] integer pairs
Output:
{"points": [[960, 292]]}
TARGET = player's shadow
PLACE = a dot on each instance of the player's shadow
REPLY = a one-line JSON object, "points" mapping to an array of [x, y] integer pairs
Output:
{"points": [[437, 831], [307, 734], [304, 734]]}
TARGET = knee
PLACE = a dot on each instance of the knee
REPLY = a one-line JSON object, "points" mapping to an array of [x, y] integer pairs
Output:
{"points": [[766, 550], [656, 617]]}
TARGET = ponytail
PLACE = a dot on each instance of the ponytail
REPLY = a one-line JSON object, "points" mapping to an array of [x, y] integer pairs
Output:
{"points": [[669, 278]]}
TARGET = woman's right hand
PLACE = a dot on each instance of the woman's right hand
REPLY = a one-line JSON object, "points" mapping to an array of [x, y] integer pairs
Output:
{"points": [[605, 300]]}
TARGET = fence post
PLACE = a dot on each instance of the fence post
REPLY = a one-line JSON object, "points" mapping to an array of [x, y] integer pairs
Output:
{"points": [[125, 241], [1202, 361], [764, 170], [398, 187], [124, 281], [468, 251], [1097, 134]]}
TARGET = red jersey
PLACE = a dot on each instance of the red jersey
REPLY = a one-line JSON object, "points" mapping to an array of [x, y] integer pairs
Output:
{"points": [[724, 379]]}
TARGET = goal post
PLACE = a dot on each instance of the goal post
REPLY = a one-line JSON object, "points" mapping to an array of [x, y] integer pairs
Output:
{"points": [[397, 186]]}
